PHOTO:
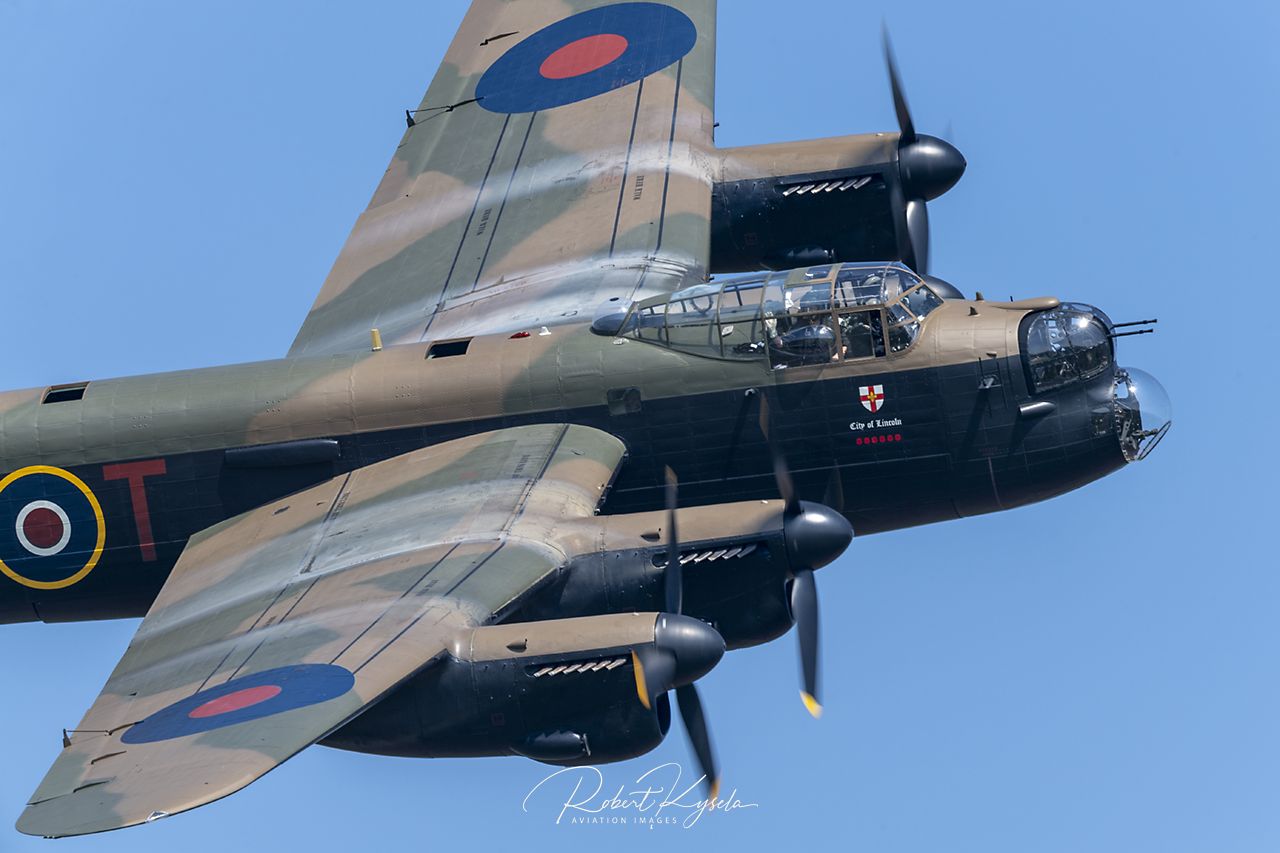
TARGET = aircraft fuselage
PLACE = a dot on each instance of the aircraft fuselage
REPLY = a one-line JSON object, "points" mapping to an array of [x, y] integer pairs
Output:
{"points": [[148, 461]]}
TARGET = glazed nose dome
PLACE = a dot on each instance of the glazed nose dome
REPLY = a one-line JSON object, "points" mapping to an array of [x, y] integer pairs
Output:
{"points": [[1144, 412]]}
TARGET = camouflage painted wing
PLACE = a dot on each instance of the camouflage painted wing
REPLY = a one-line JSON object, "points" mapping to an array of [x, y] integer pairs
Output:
{"points": [[558, 160], [278, 626]]}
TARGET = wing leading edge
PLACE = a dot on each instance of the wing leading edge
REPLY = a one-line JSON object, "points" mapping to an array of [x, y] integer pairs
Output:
{"points": [[558, 159], [278, 626]]}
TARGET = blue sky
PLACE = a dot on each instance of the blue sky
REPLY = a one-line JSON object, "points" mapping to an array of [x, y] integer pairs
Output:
{"points": [[1095, 673]]}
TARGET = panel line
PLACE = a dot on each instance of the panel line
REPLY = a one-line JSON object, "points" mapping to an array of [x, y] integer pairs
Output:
{"points": [[493, 229], [626, 167], [671, 146]]}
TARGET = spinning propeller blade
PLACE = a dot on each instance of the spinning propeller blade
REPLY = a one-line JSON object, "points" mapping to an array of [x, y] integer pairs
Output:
{"points": [[905, 125], [927, 167], [781, 472], [660, 668], [675, 571], [695, 726], [811, 536], [834, 496], [804, 608]]}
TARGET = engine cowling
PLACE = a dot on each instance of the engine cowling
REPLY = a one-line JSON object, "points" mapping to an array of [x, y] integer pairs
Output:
{"points": [[738, 559], [561, 692], [820, 201]]}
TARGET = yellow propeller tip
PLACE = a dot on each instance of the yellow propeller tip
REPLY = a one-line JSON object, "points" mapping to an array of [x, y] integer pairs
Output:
{"points": [[813, 706], [641, 690]]}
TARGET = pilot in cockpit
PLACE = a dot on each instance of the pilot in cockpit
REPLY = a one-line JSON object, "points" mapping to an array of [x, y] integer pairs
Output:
{"points": [[803, 334]]}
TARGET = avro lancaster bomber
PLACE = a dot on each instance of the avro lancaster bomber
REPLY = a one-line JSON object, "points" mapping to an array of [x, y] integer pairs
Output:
{"points": [[584, 402]]}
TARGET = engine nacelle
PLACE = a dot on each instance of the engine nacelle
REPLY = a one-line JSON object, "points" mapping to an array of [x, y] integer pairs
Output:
{"points": [[737, 586], [737, 561], [561, 691], [819, 201], [564, 690], [806, 203]]}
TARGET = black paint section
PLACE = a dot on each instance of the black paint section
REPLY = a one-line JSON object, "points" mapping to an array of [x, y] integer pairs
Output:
{"points": [[309, 451], [755, 226]]}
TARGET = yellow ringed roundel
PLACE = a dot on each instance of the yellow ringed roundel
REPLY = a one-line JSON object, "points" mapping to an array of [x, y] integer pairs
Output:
{"points": [[51, 528]]}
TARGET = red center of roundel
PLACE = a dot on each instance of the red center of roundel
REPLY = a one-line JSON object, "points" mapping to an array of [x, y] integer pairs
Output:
{"points": [[42, 527], [583, 56], [235, 701]]}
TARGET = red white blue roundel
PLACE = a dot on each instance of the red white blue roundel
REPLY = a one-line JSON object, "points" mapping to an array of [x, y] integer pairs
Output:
{"points": [[263, 694], [51, 528], [586, 55]]}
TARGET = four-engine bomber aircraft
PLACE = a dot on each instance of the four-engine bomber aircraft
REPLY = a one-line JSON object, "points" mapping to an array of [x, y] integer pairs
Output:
{"points": [[459, 535]]}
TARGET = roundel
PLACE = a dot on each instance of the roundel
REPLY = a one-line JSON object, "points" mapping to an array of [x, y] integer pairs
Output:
{"points": [[586, 55], [263, 694], [51, 528]]}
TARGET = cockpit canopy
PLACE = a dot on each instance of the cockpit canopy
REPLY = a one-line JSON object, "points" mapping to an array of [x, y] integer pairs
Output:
{"points": [[805, 316]]}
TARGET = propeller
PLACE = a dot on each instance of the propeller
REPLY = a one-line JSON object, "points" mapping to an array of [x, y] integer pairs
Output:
{"points": [[695, 727], [781, 472], [815, 534], [927, 166], [684, 649], [834, 496], [674, 575], [804, 609], [918, 234]]}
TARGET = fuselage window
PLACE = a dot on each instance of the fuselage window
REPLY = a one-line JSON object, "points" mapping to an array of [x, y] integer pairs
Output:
{"points": [[861, 335], [740, 325], [798, 324], [691, 320], [448, 349], [903, 328], [906, 314], [860, 286], [921, 301], [649, 323], [800, 339], [65, 393]]}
